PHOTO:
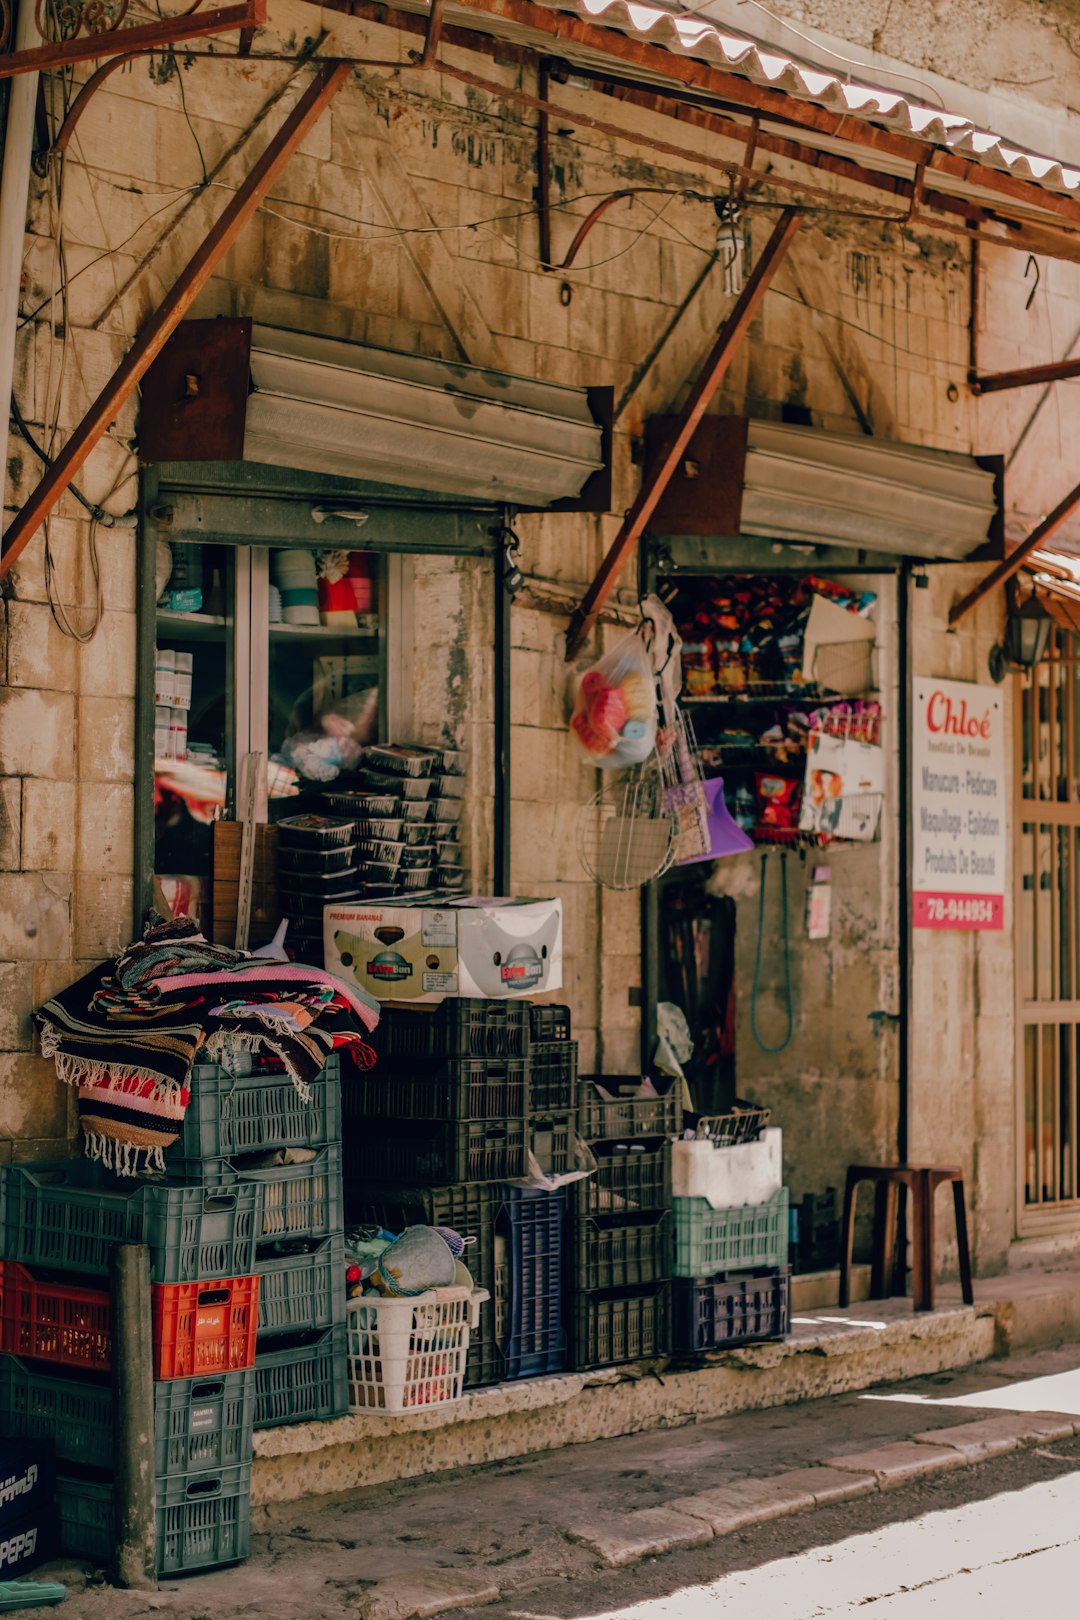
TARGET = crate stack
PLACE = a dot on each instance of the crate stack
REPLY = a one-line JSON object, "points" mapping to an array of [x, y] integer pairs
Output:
{"points": [[433, 1134], [60, 1223], [622, 1223], [731, 1284], [234, 1128]]}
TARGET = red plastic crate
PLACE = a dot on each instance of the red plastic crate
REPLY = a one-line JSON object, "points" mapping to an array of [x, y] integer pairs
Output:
{"points": [[53, 1321], [204, 1327]]}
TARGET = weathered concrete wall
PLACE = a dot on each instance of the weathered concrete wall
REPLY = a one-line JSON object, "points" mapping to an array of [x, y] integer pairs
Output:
{"points": [[407, 221]]}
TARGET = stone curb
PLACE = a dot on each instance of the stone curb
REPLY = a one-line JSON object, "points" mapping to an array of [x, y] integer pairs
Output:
{"points": [[687, 1521]]}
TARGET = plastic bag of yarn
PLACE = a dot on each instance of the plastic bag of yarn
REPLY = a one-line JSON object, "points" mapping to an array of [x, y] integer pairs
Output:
{"points": [[614, 718]]}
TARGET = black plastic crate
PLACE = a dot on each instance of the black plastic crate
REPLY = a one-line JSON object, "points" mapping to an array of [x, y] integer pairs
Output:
{"points": [[302, 1379], [230, 1115], [68, 1216], [553, 1075], [531, 1334], [613, 1328], [626, 1117], [301, 1286], [459, 1026], [623, 1253], [429, 1152], [711, 1313], [551, 1140], [459, 1090], [468, 1209], [548, 1022], [629, 1180]]}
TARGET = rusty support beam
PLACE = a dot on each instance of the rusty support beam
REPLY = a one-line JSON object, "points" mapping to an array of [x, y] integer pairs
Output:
{"points": [[148, 345], [708, 380], [1016, 559], [994, 382], [119, 41], [425, 58]]}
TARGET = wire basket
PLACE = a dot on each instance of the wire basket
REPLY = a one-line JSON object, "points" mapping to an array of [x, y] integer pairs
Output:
{"points": [[626, 833], [744, 1123]]}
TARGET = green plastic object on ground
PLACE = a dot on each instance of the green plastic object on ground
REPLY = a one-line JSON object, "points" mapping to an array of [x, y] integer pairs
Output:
{"points": [[30, 1594]]}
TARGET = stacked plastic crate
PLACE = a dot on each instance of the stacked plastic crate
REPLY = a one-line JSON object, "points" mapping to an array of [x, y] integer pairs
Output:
{"points": [[433, 1134], [60, 1222], [731, 1234], [256, 1131], [622, 1225]]}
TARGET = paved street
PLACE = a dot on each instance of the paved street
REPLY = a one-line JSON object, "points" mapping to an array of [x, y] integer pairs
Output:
{"points": [[537, 1536]]}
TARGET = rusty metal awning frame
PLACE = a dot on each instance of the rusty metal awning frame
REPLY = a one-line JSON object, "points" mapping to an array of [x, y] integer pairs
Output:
{"points": [[100, 35], [707, 382]]}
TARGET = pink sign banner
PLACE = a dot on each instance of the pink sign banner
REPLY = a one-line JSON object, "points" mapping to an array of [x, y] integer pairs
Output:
{"points": [[958, 797]]}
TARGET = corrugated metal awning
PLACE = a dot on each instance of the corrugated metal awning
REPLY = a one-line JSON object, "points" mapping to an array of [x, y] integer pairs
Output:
{"points": [[691, 34]]}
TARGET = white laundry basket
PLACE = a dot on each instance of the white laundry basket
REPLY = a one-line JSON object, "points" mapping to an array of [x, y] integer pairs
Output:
{"points": [[405, 1354]]}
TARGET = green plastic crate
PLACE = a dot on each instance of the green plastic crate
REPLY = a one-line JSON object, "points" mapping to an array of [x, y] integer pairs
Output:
{"points": [[301, 1380], [303, 1289], [613, 1328], [203, 1520], [708, 1240]]}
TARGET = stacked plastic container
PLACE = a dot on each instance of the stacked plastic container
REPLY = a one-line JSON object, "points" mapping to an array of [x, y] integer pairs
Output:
{"points": [[433, 1134], [255, 1131], [730, 1210], [60, 1222], [318, 862], [406, 807], [622, 1223], [172, 700]]}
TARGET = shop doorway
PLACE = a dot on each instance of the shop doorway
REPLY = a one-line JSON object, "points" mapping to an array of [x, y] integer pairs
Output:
{"points": [[786, 958], [1047, 887]]}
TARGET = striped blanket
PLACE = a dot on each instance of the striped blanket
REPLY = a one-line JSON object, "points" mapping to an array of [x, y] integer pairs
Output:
{"points": [[128, 1033]]}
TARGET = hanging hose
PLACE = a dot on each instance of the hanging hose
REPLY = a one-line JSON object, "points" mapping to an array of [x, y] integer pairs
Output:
{"points": [[756, 990]]}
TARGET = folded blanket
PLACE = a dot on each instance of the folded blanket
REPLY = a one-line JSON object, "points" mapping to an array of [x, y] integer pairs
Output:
{"points": [[127, 1033]]}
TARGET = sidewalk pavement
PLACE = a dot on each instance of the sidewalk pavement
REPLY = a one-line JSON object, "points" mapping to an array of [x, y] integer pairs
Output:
{"points": [[465, 1538]]}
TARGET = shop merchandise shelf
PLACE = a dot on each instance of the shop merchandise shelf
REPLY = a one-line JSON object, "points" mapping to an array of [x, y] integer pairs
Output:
{"points": [[626, 1117], [459, 1090], [416, 1152], [710, 1313], [470, 1209], [530, 1225], [459, 1026], [294, 1200], [548, 1021], [257, 1113], [551, 1140], [302, 1379], [48, 1320], [301, 1290], [67, 1217], [633, 1180], [709, 1240], [199, 1423], [553, 1075], [613, 1328], [204, 1327], [202, 1522], [623, 1253], [407, 1354]]}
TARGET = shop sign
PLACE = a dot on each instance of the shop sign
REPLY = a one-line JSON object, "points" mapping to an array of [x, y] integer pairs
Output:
{"points": [[958, 805]]}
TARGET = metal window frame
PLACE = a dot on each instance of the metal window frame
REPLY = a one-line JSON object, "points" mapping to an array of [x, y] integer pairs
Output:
{"points": [[186, 502]]}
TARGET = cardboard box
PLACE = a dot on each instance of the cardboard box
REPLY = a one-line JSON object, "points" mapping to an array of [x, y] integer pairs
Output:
{"points": [[469, 947]]}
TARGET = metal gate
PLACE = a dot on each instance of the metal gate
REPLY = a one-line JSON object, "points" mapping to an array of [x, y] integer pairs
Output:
{"points": [[1047, 881]]}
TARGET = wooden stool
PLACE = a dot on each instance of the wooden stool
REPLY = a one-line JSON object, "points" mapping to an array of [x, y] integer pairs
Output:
{"points": [[920, 1182]]}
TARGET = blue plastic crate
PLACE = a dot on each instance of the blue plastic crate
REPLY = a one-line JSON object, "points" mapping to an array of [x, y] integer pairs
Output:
{"points": [[68, 1216], [534, 1340], [302, 1291], [301, 1380]]}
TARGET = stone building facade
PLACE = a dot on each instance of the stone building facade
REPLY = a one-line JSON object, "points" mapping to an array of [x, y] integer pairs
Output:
{"points": [[407, 221]]}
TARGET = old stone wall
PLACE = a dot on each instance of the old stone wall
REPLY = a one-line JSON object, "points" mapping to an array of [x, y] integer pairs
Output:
{"points": [[407, 221]]}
